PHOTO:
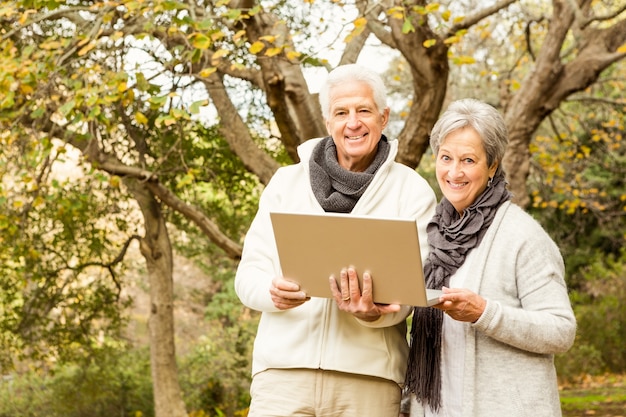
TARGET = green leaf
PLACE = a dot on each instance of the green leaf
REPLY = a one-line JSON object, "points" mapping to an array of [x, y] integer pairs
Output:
{"points": [[201, 41], [407, 26], [67, 107]]}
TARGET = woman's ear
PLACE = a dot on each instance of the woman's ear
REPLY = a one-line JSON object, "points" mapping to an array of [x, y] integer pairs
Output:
{"points": [[493, 168]]}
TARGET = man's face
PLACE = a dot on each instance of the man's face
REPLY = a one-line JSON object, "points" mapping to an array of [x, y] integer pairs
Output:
{"points": [[355, 124]]}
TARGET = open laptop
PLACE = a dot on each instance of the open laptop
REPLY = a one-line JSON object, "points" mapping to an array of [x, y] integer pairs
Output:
{"points": [[311, 247]]}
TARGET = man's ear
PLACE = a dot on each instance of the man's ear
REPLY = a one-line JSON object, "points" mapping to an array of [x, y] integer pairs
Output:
{"points": [[385, 116]]}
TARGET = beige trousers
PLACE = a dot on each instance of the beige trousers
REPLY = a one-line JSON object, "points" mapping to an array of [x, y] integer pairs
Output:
{"points": [[310, 392]]}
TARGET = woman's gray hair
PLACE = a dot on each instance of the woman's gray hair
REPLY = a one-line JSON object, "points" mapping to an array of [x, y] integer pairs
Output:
{"points": [[480, 116], [353, 72]]}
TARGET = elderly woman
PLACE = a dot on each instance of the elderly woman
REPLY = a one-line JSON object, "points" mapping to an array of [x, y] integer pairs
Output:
{"points": [[507, 310], [342, 356]]}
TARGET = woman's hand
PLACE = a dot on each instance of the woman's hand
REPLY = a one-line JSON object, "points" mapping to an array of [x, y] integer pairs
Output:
{"points": [[461, 304], [351, 299], [286, 294]]}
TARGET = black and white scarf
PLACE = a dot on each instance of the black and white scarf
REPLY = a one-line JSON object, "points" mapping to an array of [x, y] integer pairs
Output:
{"points": [[451, 237]]}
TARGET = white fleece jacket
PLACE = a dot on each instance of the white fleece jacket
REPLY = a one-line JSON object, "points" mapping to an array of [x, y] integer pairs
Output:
{"points": [[317, 335]]}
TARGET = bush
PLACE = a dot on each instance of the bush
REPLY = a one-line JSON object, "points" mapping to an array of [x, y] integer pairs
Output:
{"points": [[601, 315], [113, 382]]}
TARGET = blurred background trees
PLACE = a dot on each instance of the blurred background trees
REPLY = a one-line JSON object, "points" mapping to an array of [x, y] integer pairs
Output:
{"points": [[137, 136]]}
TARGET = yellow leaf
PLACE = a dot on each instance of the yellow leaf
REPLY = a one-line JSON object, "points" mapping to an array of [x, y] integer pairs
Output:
{"points": [[50, 45], [293, 55], [26, 89], [451, 40], [141, 118], [429, 42], [268, 38], [361, 21], [207, 72], [464, 59], [273, 51], [355, 32], [445, 15], [84, 50], [257, 47], [83, 42], [622, 49], [396, 12], [237, 66], [114, 181], [219, 54], [216, 36], [239, 35], [179, 114], [24, 16]]}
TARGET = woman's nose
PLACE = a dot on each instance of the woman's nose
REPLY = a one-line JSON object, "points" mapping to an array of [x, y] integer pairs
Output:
{"points": [[455, 170]]}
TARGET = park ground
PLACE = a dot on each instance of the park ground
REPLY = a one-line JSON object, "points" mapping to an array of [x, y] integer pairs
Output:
{"points": [[601, 396]]}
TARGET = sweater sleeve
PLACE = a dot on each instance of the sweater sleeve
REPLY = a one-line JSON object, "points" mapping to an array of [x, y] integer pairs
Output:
{"points": [[259, 263], [528, 305]]}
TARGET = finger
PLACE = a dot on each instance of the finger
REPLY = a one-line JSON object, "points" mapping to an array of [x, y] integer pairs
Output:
{"points": [[354, 289], [334, 288], [345, 285], [389, 308], [368, 291], [285, 284]]}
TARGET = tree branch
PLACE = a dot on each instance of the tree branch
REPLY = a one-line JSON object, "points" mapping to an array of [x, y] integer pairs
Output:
{"points": [[471, 20], [70, 13], [232, 249]]}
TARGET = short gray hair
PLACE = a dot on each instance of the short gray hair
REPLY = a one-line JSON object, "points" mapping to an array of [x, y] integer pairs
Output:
{"points": [[353, 72], [480, 116]]}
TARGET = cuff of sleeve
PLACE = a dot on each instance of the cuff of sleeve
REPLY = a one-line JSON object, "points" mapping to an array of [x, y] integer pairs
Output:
{"points": [[486, 318]]}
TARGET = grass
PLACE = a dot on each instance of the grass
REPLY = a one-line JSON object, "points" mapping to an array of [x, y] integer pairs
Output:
{"points": [[603, 396]]}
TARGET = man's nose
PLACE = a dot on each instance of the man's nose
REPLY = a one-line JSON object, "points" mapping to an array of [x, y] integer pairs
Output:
{"points": [[353, 120]]}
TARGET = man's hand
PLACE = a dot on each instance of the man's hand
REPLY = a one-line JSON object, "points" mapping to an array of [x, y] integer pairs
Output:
{"points": [[351, 299], [286, 294]]}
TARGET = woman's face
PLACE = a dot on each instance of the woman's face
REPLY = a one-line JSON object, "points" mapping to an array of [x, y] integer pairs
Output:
{"points": [[461, 168], [355, 124]]}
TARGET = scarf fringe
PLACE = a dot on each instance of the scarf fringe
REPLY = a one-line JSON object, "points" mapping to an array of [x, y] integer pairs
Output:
{"points": [[423, 375]]}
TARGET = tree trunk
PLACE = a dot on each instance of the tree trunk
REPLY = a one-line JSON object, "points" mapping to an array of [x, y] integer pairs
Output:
{"points": [[552, 80], [157, 251]]}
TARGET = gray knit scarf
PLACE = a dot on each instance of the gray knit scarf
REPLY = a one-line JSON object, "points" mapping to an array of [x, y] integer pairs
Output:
{"points": [[450, 237], [335, 188]]}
